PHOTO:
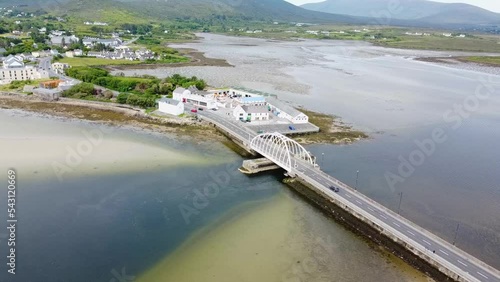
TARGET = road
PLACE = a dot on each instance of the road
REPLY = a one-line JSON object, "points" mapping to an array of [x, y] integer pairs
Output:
{"points": [[434, 246], [421, 239]]}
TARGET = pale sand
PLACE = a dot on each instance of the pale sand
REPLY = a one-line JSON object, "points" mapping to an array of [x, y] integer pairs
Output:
{"points": [[242, 248], [42, 149], [269, 242]]}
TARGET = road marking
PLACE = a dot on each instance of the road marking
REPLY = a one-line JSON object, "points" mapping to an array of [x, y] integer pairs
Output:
{"points": [[396, 224], [444, 252], [347, 195], [383, 216], [359, 202], [410, 232], [371, 209], [459, 261], [482, 275], [427, 242]]}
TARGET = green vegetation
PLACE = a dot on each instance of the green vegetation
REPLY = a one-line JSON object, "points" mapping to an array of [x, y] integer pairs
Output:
{"points": [[89, 61], [435, 42], [493, 61], [18, 85], [80, 91], [136, 91]]}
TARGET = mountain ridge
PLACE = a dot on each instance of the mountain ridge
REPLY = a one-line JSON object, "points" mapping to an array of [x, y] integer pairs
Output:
{"points": [[425, 12]]}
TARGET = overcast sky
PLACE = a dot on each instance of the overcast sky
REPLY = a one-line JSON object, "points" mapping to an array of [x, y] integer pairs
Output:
{"points": [[493, 5]]}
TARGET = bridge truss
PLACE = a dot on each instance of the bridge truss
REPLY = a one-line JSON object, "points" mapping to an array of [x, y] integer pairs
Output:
{"points": [[280, 149]]}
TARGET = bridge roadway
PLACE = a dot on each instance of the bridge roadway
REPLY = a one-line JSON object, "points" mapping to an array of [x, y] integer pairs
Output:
{"points": [[463, 264]]}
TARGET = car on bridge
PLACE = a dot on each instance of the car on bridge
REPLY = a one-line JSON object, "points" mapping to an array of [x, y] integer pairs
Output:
{"points": [[334, 189]]}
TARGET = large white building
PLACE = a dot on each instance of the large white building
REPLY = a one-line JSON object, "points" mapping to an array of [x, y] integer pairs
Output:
{"points": [[196, 97], [170, 106], [286, 111], [251, 113], [14, 69]]}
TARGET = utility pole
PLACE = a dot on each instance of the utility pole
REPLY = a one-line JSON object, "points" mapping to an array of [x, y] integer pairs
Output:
{"points": [[456, 234], [400, 199], [357, 176]]}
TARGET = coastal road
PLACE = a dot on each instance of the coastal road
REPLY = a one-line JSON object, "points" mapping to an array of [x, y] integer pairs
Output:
{"points": [[433, 246]]}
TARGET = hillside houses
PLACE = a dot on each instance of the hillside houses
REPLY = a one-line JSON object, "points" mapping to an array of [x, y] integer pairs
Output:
{"points": [[63, 40], [108, 42], [125, 53]]}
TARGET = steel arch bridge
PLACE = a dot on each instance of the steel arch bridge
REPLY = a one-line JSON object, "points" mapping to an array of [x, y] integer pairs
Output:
{"points": [[281, 150]]}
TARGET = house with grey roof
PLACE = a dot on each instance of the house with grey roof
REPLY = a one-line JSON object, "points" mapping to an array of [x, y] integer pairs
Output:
{"points": [[58, 40], [286, 111], [251, 113], [170, 106]]}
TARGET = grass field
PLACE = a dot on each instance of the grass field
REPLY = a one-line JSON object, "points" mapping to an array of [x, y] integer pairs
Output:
{"points": [[87, 62], [474, 44], [494, 61]]}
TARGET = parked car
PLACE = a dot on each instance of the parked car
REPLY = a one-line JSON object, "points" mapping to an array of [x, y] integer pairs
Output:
{"points": [[260, 131], [194, 110], [200, 109], [291, 127], [214, 109]]}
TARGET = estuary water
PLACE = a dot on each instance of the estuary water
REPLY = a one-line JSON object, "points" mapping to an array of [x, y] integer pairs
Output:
{"points": [[101, 203], [434, 129]]}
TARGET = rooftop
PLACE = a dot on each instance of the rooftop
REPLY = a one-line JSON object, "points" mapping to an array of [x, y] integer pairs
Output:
{"points": [[169, 101], [255, 109], [283, 106]]}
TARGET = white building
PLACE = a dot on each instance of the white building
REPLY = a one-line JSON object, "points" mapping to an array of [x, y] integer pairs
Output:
{"points": [[14, 69], [195, 96], [67, 40], [60, 67], [251, 113], [171, 106], [286, 111]]}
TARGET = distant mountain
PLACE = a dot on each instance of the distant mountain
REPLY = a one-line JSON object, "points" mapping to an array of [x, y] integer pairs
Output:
{"points": [[415, 11], [279, 10]]}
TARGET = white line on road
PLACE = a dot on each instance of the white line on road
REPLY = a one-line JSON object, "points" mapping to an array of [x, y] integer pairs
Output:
{"points": [[396, 224], [482, 275], [383, 216], [462, 263], [444, 252], [371, 209], [359, 202], [410, 232], [427, 242], [347, 195]]}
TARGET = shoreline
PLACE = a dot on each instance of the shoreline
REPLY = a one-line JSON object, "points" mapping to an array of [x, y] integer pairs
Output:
{"points": [[196, 57], [332, 130], [109, 114]]}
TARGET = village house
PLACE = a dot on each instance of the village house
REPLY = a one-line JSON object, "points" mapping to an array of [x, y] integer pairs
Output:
{"points": [[283, 110], [170, 106], [59, 40], [251, 113], [60, 67]]}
